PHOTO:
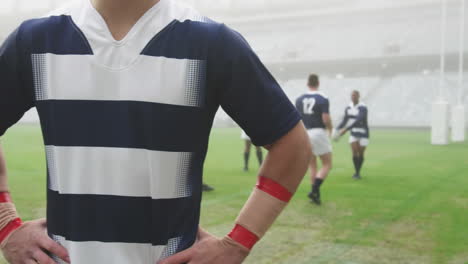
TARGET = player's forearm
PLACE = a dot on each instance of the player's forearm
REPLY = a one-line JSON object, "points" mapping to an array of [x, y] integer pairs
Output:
{"points": [[3, 172], [328, 123], [9, 219], [279, 177], [329, 127]]}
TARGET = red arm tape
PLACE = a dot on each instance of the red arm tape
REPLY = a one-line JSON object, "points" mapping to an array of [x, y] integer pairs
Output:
{"points": [[10, 228], [12, 225], [274, 189], [5, 197], [243, 236]]}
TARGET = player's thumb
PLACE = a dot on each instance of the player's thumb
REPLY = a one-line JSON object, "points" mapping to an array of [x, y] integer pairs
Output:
{"points": [[179, 258], [202, 234]]}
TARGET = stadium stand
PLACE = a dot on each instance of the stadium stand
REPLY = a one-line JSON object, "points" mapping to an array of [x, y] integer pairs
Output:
{"points": [[389, 50]]}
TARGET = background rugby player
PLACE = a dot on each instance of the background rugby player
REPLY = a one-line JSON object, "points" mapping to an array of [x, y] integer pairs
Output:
{"points": [[248, 146], [355, 121], [314, 108]]}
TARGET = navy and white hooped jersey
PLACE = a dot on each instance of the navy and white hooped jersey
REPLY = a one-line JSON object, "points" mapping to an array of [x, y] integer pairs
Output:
{"points": [[311, 106], [355, 119], [124, 176]]}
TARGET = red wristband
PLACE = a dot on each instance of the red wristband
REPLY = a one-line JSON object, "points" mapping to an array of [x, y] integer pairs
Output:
{"points": [[243, 236], [5, 197], [12, 226], [274, 189]]}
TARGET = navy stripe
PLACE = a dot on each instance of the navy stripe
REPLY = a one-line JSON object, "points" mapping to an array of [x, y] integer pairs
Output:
{"points": [[360, 135], [124, 124], [183, 40], [15, 98], [106, 218], [55, 34]]}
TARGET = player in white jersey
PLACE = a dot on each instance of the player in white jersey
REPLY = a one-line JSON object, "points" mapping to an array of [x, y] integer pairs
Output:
{"points": [[355, 121], [248, 146], [314, 108], [117, 84]]}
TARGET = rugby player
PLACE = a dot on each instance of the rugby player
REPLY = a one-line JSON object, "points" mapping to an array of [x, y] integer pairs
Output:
{"points": [[126, 93], [248, 145], [314, 108], [355, 121]]}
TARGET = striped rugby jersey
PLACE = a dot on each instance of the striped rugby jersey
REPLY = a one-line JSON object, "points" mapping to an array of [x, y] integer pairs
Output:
{"points": [[126, 123], [355, 119], [311, 106]]}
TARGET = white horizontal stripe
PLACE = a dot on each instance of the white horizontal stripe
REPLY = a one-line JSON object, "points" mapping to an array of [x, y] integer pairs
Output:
{"points": [[116, 253], [350, 122], [119, 171], [358, 130], [150, 79]]}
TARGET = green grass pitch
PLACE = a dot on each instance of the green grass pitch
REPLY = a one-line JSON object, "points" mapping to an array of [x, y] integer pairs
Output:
{"points": [[410, 207]]}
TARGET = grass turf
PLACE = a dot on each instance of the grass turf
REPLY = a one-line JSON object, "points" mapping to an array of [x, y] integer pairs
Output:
{"points": [[410, 207]]}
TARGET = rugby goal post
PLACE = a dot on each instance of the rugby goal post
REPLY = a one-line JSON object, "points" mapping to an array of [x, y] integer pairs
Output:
{"points": [[458, 111], [440, 107]]}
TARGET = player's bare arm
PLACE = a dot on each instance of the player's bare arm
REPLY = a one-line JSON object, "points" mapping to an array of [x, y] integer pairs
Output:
{"points": [[3, 172], [328, 123], [285, 164], [23, 242]]}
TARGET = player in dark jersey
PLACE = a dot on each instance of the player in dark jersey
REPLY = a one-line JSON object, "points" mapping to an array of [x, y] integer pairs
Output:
{"points": [[207, 188], [355, 121], [248, 145], [314, 109], [117, 84]]}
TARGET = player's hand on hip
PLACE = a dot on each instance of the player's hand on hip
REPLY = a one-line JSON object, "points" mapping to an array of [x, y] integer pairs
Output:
{"points": [[30, 244], [210, 250]]}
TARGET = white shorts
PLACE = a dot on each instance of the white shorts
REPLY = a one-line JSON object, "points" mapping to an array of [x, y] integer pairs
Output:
{"points": [[320, 142], [364, 142], [244, 136]]}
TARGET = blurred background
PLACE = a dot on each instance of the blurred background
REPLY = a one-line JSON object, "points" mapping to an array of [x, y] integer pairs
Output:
{"points": [[387, 49]]}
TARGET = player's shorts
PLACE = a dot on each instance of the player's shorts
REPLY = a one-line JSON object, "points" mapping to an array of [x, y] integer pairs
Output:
{"points": [[320, 142], [244, 136], [364, 142]]}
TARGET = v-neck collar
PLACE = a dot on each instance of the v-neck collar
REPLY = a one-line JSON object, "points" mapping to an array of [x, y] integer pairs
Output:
{"points": [[118, 55], [98, 19]]}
